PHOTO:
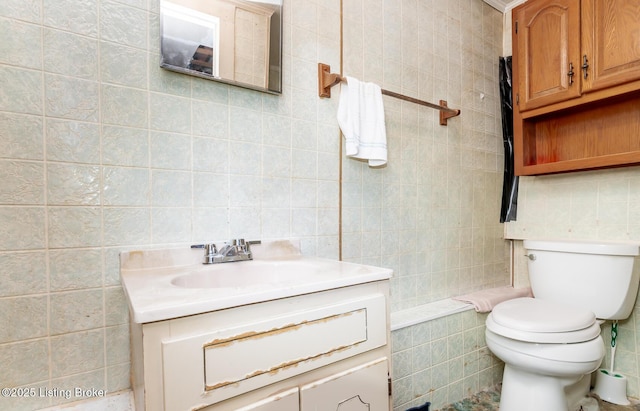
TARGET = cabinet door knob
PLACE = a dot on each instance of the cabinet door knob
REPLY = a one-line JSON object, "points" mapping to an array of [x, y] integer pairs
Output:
{"points": [[570, 73], [585, 66]]}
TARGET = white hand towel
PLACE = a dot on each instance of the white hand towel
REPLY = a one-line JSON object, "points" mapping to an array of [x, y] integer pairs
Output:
{"points": [[361, 119], [485, 300]]}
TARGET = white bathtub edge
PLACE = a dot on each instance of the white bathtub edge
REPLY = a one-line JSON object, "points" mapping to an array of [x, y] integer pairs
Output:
{"points": [[427, 312]]}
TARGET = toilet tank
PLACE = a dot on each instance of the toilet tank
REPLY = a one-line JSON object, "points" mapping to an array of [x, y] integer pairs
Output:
{"points": [[598, 276]]}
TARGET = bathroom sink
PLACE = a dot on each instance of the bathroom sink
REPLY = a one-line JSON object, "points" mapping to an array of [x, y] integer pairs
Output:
{"points": [[249, 273], [173, 283]]}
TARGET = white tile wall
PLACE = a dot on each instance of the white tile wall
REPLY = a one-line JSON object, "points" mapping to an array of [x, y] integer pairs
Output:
{"points": [[433, 213]]}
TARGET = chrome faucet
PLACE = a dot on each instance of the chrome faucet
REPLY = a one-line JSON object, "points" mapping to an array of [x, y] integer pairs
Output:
{"points": [[234, 250]]}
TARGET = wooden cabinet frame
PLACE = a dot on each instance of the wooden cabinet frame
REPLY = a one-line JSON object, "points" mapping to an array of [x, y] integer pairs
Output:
{"points": [[595, 126]]}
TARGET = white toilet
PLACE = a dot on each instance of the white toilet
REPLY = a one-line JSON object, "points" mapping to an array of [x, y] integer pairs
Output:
{"points": [[551, 344]]}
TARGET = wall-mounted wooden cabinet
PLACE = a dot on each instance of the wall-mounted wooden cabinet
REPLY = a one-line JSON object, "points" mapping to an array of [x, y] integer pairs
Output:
{"points": [[576, 85], [546, 41]]}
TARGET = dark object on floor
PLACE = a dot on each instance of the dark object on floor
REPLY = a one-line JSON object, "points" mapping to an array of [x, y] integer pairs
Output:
{"points": [[424, 407]]}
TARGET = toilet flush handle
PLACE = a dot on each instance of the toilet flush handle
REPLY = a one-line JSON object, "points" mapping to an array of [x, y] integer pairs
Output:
{"points": [[531, 257]]}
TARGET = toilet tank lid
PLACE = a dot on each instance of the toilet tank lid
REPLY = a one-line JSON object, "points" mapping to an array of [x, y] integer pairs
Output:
{"points": [[584, 247], [541, 316]]}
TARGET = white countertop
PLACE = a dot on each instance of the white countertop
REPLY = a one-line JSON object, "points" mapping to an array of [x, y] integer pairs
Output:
{"points": [[277, 271]]}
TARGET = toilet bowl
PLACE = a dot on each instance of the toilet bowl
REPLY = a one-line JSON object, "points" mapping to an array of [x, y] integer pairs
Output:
{"points": [[548, 349], [551, 344]]}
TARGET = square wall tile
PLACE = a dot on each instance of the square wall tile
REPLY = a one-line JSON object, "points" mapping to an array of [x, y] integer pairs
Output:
{"points": [[21, 136], [74, 227], [24, 273], [72, 184], [13, 311], [24, 229], [123, 146], [77, 16], [23, 182], [72, 141], [124, 106], [123, 186], [19, 41], [29, 10], [22, 90], [123, 24], [71, 98], [76, 310], [24, 362], [80, 58], [77, 352], [127, 226], [75, 269]]}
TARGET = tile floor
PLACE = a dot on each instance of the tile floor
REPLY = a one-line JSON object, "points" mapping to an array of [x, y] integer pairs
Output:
{"points": [[489, 401]]}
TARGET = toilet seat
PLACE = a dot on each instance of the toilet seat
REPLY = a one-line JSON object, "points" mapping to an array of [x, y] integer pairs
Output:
{"points": [[539, 321]]}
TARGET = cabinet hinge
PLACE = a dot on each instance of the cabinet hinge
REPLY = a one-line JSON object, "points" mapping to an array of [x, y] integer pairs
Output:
{"points": [[389, 385], [517, 99]]}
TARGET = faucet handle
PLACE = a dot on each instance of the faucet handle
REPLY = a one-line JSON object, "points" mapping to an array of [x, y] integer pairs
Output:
{"points": [[240, 244], [248, 247], [210, 249], [206, 247], [243, 246]]}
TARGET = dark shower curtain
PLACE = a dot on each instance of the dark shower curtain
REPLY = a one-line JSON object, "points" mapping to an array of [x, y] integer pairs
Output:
{"points": [[510, 182]]}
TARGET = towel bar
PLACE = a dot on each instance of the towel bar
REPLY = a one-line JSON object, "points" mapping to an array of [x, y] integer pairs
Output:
{"points": [[326, 80]]}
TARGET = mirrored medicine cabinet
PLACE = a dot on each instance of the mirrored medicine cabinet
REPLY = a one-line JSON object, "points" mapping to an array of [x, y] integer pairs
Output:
{"points": [[237, 42]]}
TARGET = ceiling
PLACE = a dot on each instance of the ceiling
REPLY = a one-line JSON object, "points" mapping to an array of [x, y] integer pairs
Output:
{"points": [[503, 5]]}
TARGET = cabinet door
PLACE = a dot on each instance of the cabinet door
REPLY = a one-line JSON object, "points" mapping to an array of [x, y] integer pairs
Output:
{"points": [[363, 388], [546, 45], [610, 42], [285, 401]]}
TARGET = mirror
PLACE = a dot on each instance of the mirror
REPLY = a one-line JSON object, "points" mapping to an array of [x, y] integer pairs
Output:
{"points": [[233, 41]]}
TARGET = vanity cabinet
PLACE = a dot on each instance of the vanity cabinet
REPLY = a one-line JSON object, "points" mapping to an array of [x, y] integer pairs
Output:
{"points": [[319, 351], [576, 85]]}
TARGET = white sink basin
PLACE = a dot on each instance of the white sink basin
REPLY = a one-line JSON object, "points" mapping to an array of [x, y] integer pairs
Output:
{"points": [[164, 284], [250, 273]]}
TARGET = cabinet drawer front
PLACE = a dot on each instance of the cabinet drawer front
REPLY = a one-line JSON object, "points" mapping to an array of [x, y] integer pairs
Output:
{"points": [[211, 367], [258, 353]]}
